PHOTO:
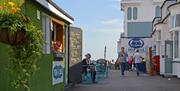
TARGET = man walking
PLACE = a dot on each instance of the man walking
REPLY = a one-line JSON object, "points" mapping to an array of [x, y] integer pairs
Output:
{"points": [[138, 60], [122, 56]]}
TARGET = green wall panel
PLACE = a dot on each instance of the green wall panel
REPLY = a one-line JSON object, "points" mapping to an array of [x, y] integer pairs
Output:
{"points": [[31, 11], [40, 81], [5, 77]]}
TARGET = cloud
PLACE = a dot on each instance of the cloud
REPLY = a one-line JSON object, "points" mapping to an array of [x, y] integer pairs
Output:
{"points": [[112, 22]]}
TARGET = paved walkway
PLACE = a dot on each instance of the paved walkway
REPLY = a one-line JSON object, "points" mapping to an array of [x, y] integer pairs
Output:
{"points": [[131, 83]]}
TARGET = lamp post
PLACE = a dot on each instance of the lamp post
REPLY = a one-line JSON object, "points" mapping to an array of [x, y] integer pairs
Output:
{"points": [[105, 52]]}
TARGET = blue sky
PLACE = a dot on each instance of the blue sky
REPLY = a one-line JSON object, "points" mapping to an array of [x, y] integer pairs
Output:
{"points": [[101, 21]]}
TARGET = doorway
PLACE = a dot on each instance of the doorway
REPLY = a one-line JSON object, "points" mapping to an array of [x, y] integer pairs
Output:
{"points": [[168, 57]]}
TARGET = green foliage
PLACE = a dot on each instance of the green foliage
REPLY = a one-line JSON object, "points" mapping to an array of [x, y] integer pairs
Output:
{"points": [[23, 58]]}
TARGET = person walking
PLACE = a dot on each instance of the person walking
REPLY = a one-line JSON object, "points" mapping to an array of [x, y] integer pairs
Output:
{"points": [[138, 60], [93, 72], [130, 62], [86, 64], [122, 57]]}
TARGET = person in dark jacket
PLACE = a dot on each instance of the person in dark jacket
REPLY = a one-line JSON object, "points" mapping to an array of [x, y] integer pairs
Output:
{"points": [[86, 63]]}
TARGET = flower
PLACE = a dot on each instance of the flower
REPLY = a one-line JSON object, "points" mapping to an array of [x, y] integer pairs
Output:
{"points": [[9, 8], [13, 10], [1, 7], [12, 4]]}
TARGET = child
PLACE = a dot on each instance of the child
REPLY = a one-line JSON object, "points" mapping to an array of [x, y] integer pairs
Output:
{"points": [[130, 62]]}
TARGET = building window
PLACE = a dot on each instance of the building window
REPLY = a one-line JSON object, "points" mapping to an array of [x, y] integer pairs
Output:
{"points": [[159, 35], [57, 37], [129, 13], [174, 21], [176, 44], [177, 20], [135, 12], [158, 11], [171, 22]]}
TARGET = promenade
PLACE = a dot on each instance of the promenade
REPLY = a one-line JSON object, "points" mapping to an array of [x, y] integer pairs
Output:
{"points": [[131, 83]]}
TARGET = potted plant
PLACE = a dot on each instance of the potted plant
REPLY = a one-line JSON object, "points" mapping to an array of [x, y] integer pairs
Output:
{"points": [[13, 23], [25, 40]]}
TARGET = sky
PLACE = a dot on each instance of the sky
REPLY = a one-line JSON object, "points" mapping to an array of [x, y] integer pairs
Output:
{"points": [[101, 22]]}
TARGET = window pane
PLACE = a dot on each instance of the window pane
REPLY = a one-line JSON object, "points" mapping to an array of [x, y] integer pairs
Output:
{"points": [[168, 52], [158, 11], [176, 44], [171, 22], [159, 35], [135, 13], [129, 13], [177, 20]]}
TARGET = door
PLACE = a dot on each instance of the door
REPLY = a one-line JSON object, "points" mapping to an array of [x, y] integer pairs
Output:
{"points": [[168, 56]]}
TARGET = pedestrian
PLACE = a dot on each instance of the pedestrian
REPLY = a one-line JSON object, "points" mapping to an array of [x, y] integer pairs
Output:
{"points": [[144, 65], [130, 62], [117, 67], [93, 72], [122, 57], [137, 60], [86, 63]]}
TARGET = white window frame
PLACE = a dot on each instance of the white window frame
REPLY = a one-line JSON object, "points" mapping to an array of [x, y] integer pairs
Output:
{"points": [[46, 30]]}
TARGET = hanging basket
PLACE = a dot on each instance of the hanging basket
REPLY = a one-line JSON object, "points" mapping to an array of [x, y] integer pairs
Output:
{"points": [[13, 38]]}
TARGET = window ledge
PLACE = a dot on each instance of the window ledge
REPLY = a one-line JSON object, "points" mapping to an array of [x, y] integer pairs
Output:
{"points": [[176, 59], [175, 28]]}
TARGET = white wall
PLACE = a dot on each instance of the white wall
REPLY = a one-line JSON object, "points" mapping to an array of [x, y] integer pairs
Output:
{"points": [[146, 12], [124, 43], [165, 35], [176, 66]]}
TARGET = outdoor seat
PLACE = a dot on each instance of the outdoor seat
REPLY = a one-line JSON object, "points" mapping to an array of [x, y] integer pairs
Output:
{"points": [[101, 73]]}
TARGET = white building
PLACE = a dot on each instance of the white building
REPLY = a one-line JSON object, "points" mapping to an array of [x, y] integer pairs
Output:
{"points": [[167, 40], [138, 16]]}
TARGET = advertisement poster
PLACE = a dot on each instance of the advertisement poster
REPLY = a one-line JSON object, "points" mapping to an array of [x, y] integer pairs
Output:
{"points": [[57, 73]]}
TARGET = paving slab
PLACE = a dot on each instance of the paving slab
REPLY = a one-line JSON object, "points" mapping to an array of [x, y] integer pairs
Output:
{"points": [[131, 82]]}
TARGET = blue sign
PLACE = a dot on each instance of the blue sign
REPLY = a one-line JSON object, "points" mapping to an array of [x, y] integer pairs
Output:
{"points": [[136, 43], [57, 72]]}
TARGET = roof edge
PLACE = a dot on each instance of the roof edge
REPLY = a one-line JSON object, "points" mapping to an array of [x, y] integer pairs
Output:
{"points": [[55, 9]]}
